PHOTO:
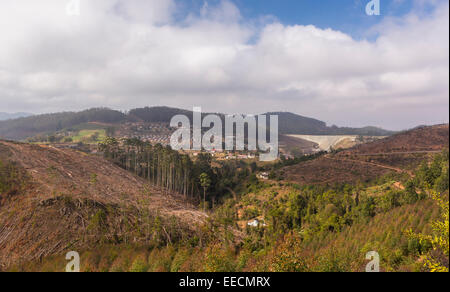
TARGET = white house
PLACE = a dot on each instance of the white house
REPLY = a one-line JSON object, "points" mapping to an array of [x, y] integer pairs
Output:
{"points": [[256, 223], [263, 175]]}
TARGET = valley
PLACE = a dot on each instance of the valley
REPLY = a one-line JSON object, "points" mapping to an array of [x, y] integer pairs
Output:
{"points": [[108, 185], [224, 136]]}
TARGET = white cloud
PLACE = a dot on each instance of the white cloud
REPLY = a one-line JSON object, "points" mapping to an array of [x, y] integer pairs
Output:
{"points": [[125, 54]]}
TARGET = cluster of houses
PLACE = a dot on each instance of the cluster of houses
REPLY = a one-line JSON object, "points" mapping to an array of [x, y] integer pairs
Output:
{"points": [[152, 138], [155, 133], [157, 139], [256, 223], [240, 156], [225, 155], [263, 175]]}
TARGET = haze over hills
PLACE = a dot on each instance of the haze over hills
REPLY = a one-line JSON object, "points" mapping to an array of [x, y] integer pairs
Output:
{"points": [[10, 116], [289, 123]]}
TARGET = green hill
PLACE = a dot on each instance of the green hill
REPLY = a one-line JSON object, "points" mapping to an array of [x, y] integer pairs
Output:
{"points": [[22, 128], [290, 123]]}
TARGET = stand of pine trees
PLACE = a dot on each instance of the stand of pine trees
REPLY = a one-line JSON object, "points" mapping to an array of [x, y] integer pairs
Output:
{"points": [[161, 166]]}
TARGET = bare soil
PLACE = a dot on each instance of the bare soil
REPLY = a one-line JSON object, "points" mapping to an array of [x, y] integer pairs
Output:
{"points": [[57, 206], [400, 153]]}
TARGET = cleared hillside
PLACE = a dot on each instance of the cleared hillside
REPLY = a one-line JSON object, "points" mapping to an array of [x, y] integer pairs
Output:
{"points": [[405, 150], [66, 199], [327, 251], [400, 153], [296, 147], [328, 170], [427, 139]]}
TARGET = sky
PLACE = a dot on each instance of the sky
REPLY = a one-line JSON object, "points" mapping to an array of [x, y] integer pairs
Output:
{"points": [[324, 59]]}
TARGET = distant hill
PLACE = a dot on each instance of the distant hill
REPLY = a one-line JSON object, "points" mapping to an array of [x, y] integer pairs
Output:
{"points": [[422, 138], [157, 114], [400, 153], [289, 123], [10, 116], [294, 124], [22, 128]]}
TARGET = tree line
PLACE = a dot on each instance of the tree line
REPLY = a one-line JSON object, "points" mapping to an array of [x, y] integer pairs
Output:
{"points": [[175, 172]]}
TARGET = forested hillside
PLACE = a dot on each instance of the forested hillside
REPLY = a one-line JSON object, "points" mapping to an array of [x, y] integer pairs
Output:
{"points": [[22, 128], [175, 172]]}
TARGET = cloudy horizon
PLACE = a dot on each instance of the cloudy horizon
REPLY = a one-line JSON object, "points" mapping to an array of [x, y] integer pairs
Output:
{"points": [[392, 72]]}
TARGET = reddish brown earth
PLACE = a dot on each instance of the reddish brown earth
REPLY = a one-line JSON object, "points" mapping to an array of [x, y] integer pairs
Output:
{"points": [[400, 153], [424, 139], [327, 170], [66, 199], [296, 146]]}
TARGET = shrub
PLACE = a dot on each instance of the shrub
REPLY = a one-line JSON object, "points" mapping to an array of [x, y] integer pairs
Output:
{"points": [[139, 266]]}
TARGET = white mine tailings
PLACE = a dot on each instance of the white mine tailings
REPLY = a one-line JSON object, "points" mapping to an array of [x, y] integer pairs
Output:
{"points": [[326, 142]]}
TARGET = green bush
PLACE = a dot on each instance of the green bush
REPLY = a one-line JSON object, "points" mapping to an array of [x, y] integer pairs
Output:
{"points": [[139, 266]]}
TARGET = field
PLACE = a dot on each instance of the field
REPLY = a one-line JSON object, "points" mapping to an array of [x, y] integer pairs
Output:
{"points": [[89, 136]]}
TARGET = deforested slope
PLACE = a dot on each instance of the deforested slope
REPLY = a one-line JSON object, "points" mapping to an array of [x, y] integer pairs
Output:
{"points": [[422, 139], [400, 153], [52, 200]]}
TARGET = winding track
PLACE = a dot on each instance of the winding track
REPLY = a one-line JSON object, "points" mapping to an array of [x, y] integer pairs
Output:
{"points": [[399, 170]]}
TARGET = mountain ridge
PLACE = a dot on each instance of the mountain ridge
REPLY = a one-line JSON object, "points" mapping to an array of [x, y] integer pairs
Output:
{"points": [[400, 153], [10, 116], [289, 123]]}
